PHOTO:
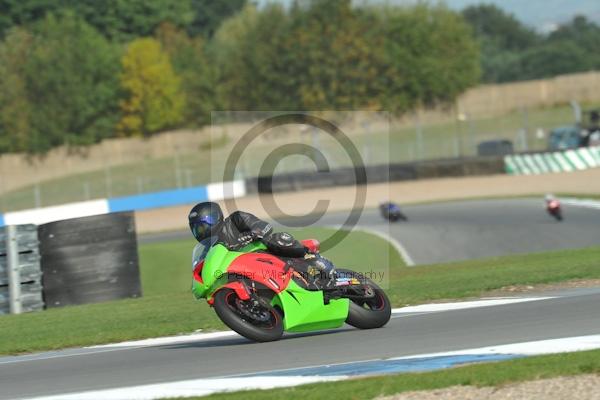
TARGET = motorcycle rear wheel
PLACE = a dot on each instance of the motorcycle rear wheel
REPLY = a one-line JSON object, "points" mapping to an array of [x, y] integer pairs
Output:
{"points": [[230, 310]]}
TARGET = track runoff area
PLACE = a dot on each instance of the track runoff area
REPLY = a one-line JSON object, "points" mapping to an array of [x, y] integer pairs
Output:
{"points": [[418, 338]]}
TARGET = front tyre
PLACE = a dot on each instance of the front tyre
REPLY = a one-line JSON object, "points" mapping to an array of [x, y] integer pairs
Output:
{"points": [[260, 323], [369, 312]]}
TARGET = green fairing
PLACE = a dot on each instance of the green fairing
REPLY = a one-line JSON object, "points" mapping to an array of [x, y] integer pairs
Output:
{"points": [[304, 310], [307, 311], [215, 268]]}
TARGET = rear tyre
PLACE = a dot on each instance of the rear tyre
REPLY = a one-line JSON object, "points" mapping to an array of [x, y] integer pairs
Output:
{"points": [[260, 323], [369, 313]]}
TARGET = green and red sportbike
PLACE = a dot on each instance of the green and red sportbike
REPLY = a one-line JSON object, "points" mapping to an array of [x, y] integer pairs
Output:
{"points": [[260, 295]]}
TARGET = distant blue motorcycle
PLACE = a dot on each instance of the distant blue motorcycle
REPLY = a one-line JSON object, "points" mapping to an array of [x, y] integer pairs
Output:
{"points": [[391, 212]]}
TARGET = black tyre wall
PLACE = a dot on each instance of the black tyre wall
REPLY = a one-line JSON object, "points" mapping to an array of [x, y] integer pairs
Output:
{"points": [[89, 260]]}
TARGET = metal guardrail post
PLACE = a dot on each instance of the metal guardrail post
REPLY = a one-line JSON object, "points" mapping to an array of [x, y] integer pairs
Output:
{"points": [[14, 274]]}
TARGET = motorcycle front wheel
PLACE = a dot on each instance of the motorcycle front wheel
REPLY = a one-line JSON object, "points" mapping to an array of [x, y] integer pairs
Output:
{"points": [[369, 312], [257, 322]]}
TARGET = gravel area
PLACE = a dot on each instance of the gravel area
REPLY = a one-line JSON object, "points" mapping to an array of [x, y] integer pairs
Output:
{"points": [[580, 387]]}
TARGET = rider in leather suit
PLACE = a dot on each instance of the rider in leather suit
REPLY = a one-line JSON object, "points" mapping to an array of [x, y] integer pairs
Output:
{"points": [[240, 228]]}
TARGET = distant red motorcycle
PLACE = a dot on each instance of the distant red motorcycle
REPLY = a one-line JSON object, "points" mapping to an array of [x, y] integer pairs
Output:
{"points": [[553, 208]]}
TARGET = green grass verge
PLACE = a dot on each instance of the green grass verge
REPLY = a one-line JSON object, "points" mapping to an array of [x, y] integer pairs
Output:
{"points": [[167, 306], [489, 374]]}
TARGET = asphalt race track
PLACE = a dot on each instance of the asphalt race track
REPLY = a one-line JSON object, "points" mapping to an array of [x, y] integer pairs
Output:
{"points": [[463, 230], [434, 233], [407, 334]]}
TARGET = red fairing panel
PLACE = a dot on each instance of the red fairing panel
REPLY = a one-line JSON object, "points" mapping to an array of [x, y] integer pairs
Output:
{"points": [[312, 245], [198, 271], [239, 289], [262, 268]]}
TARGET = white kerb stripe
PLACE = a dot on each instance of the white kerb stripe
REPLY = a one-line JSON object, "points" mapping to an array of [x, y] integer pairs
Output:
{"points": [[574, 158], [552, 162], [226, 190], [57, 213], [560, 158], [463, 305], [189, 388], [586, 155], [531, 163], [595, 152], [538, 347], [545, 168]]}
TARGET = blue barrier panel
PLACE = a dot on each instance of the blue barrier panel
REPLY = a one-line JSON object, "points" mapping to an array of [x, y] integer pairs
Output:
{"points": [[1, 220], [158, 199]]}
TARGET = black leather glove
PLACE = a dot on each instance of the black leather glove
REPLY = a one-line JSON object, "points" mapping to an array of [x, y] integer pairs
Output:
{"points": [[246, 238], [257, 234]]}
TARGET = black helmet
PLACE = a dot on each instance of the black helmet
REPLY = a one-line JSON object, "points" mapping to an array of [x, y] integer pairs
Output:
{"points": [[203, 218]]}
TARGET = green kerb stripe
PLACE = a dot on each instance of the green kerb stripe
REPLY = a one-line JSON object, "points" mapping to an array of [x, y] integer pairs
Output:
{"points": [[541, 162], [510, 167], [552, 162], [586, 155]]}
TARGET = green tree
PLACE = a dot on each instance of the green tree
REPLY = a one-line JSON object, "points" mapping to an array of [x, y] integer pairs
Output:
{"points": [[125, 20], [583, 33], [429, 56], [154, 99], [121, 20], [327, 54], [190, 62], [335, 55], [502, 39], [551, 59], [503, 29], [71, 78], [209, 14], [18, 12], [233, 60], [15, 129]]}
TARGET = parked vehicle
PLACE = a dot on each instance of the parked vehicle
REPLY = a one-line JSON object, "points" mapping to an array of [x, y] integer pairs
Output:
{"points": [[583, 133], [495, 148]]}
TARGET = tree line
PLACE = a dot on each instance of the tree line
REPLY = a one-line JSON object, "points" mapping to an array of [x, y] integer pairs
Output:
{"points": [[511, 51], [78, 71]]}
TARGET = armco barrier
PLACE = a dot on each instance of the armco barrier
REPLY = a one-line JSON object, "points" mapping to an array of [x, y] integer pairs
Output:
{"points": [[459, 167], [377, 174], [213, 192], [158, 199], [279, 183], [557, 161], [20, 272], [340, 177]]}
